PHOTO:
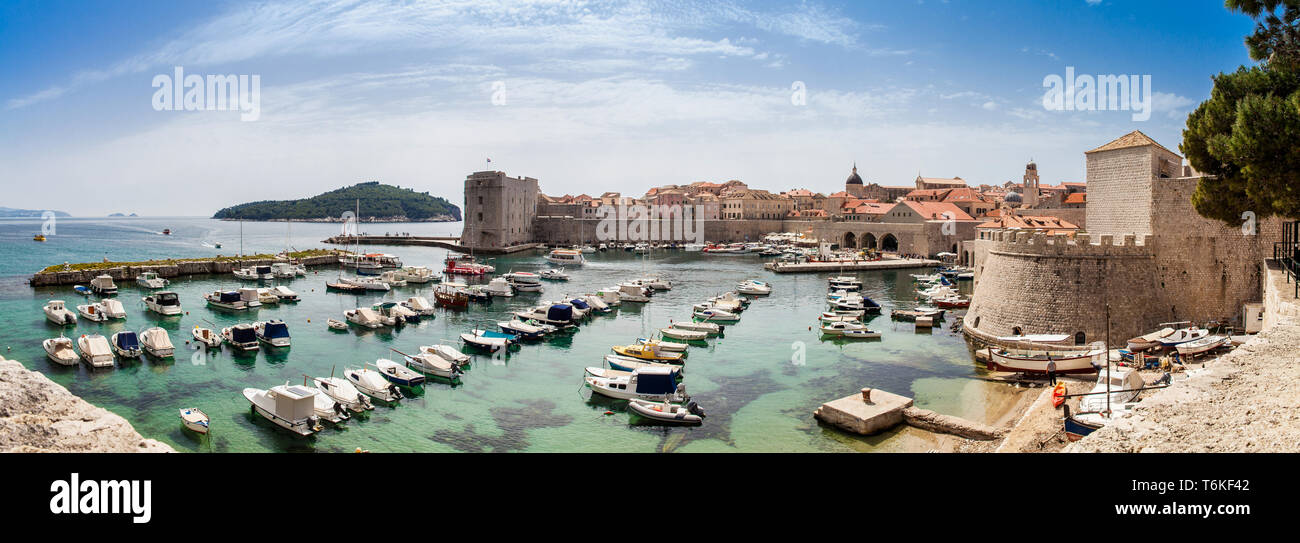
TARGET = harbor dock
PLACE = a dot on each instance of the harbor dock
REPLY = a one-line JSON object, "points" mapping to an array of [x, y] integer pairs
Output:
{"points": [[886, 410], [448, 242], [850, 265]]}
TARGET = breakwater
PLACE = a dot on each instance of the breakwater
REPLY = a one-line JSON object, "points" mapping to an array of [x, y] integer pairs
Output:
{"points": [[129, 271], [850, 265], [427, 241]]}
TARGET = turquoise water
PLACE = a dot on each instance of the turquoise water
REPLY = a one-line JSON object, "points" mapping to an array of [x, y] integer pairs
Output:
{"points": [[756, 397]]}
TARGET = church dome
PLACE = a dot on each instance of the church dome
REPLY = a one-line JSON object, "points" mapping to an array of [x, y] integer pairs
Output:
{"points": [[853, 179], [1014, 197]]}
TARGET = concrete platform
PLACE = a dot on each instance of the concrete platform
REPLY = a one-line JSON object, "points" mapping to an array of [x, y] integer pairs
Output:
{"points": [[863, 265], [853, 414]]}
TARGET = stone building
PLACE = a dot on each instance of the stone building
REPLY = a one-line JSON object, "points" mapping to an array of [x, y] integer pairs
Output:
{"points": [[1146, 253], [499, 210]]}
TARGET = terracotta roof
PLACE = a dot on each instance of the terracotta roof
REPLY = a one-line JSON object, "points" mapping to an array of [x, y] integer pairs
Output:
{"points": [[798, 192], [1132, 139], [943, 180], [927, 193], [1029, 222], [937, 211], [1077, 198], [964, 195], [840, 194]]}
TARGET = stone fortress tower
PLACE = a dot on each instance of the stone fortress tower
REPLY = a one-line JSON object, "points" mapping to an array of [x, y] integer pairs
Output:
{"points": [[1030, 193], [499, 210], [1147, 254]]}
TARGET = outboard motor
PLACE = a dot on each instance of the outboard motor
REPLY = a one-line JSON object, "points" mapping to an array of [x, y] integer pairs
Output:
{"points": [[395, 391], [681, 391], [341, 411], [694, 408]]}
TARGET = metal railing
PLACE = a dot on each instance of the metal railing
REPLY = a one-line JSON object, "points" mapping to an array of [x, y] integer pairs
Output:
{"points": [[1287, 253]]}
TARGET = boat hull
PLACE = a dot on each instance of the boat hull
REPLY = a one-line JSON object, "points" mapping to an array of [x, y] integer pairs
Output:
{"points": [[1064, 365]]}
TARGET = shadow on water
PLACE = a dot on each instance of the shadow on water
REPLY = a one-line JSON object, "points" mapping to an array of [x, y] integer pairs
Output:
{"points": [[280, 438], [514, 423]]}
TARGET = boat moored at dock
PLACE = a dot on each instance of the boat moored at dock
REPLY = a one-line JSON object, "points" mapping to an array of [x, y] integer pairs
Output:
{"points": [[167, 304], [290, 407]]}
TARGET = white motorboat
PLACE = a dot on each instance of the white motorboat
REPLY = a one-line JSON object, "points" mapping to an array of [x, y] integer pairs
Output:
{"points": [[342, 391], [373, 384], [368, 283], [274, 333], [125, 344], [251, 297], [706, 327], [151, 280], [92, 312], [368, 318], [754, 288], [1183, 335], [610, 296], [327, 408], [157, 343], [660, 346], [521, 329], [397, 311], [284, 270], [420, 305], [103, 285], [418, 275], [837, 328], [1124, 387], [226, 300], [267, 296], [524, 281], [95, 350], [596, 303], [587, 249], [446, 352], [656, 283], [290, 407], [435, 365], [113, 309], [844, 282], [830, 316], [499, 287], [684, 335], [655, 383], [694, 247], [391, 277], [715, 315], [629, 364], [241, 337], [554, 274], [398, 374], [486, 343], [667, 412], [205, 336], [284, 294], [566, 257], [245, 274], [195, 420], [335, 324], [60, 351], [1198, 346], [629, 292], [167, 304], [1036, 362]]}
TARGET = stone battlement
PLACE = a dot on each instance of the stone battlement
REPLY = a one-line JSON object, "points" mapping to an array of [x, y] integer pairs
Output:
{"points": [[1060, 245]]}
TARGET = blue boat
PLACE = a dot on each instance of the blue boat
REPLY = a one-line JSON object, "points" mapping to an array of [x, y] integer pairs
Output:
{"points": [[512, 328], [510, 338], [1076, 429], [126, 344], [869, 305], [82, 290]]}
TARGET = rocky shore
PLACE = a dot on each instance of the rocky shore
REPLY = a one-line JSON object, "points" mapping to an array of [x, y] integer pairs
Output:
{"points": [[39, 415], [1246, 401]]}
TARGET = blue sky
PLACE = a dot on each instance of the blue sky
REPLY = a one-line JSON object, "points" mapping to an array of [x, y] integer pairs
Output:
{"points": [[591, 96]]}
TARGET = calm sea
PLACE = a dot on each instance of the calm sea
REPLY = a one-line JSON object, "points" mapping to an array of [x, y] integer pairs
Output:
{"points": [[757, 399]]}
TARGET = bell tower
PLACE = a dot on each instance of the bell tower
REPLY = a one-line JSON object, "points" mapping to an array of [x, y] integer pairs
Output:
{"points": [[1030, 193]]}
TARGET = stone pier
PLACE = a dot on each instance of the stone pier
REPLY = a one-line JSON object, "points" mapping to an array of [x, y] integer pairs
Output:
{"points": [[887, 410]]}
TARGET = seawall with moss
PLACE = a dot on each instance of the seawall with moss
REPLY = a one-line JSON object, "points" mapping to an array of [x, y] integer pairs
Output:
{"points": [[81, 274]]}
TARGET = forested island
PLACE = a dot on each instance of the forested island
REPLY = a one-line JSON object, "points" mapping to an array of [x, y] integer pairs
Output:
{"points": [[378, 203]]}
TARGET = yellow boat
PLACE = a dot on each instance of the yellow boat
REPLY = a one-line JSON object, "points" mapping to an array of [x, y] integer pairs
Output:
{"points": [[38, 238], [649, 351]]}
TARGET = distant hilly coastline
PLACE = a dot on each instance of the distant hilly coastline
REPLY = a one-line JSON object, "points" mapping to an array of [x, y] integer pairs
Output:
{"points": [[9, 213], [378, 202]]}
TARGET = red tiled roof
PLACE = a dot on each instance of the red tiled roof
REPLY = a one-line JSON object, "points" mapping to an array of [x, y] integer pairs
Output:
{"points": [[937, 210], [1029, 222], [1077, 198]]}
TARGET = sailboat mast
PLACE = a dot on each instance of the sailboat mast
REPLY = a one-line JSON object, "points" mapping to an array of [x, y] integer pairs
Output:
{"points": [[1108, 359]]}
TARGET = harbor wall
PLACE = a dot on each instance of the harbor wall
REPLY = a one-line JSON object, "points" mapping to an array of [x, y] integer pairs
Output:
{"points": [[39, 415], [168, 271]]}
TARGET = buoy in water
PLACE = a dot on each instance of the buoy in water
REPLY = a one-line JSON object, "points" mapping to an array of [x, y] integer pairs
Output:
{"points": [[609, 412]]}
